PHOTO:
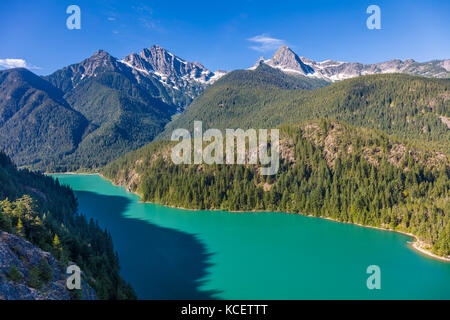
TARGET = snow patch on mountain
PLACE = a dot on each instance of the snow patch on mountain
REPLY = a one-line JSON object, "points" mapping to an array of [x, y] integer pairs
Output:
{"points": [[171, 69], [288, 61]]}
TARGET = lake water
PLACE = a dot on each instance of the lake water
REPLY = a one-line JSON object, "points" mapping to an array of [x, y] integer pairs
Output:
{"points": [[168, 253]]}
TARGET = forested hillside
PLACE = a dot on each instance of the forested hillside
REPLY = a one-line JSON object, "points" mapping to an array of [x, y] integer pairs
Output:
{"points": [[328, 169], [80, 117], [35, 120], [124, 116], [405, 106], [38, 209]]}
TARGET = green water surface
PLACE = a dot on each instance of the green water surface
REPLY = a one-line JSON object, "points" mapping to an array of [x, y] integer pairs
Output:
{"points": [[168, 253]]}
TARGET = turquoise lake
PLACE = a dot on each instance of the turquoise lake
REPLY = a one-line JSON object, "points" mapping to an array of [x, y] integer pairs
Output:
{"points": [[168, 253]]}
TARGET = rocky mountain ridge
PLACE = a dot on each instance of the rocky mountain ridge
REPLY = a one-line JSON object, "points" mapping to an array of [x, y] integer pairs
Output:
{"points": [[170, 69], [288, 61]]}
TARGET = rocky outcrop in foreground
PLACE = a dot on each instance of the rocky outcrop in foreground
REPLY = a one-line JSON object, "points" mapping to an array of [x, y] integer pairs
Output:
{"points": [[29, 273]]}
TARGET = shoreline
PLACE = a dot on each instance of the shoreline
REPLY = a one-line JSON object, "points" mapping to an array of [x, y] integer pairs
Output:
{"points": [[417, 244], [74, 173]]}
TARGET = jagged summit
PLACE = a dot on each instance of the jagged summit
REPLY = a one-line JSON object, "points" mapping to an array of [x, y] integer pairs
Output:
{"points": [[284, 52], [100, 58], [171, 69], [182, 80], [285, 58], [288, 61], [100, 53], [69, 77]]}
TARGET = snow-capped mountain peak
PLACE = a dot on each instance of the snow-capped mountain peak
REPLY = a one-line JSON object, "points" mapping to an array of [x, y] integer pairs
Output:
{"points": [[288, 61], [171, 70], [177, 80]]}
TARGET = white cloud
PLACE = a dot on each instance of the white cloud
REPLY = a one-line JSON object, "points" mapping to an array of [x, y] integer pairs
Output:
{"points": [[264, 43], [16, 63], [111, 19]]}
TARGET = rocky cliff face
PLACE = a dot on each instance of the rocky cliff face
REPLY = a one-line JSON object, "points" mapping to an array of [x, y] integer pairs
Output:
{"points": [[164, 75], [20, 262], [188, 78], [100, 62], [288, 61], [169, 68]]}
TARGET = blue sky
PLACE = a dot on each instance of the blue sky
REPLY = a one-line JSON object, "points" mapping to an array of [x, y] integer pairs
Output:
{"points": [[218, 33]]}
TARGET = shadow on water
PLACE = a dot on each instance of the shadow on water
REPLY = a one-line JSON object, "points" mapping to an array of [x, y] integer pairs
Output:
{"points": [[159, 263]]}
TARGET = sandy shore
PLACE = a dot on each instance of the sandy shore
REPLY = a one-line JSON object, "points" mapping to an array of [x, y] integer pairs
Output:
{"points": [[417, 245]]}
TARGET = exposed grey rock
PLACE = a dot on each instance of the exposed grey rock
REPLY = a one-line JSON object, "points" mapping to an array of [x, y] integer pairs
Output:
{"points": [[15, 251], [286, 60], [101, 61], [169, 67], [172, 71], [155, 69]]}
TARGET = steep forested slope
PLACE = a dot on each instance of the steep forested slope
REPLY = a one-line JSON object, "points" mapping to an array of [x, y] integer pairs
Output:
{"points": [[405, 106], [126, 109], [124, 117], [328, 169], [41, 211], [35, 120]]}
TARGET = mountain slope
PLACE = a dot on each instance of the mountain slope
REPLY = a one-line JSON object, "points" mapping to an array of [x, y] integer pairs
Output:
{"points": [[94, 112], [101, 62], [124, 114], [405, 106], [190, 78], [127, 102], [165, 76], [89, 113], [328, 169], [31, 281], [35, 121], [38, 209], [288, 61], [267, 77]]}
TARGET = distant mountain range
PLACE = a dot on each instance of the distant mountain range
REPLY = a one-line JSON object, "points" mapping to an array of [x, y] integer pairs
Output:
{"points": [[172, 79], [288, 61], [89, 113], [171, 70]]}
